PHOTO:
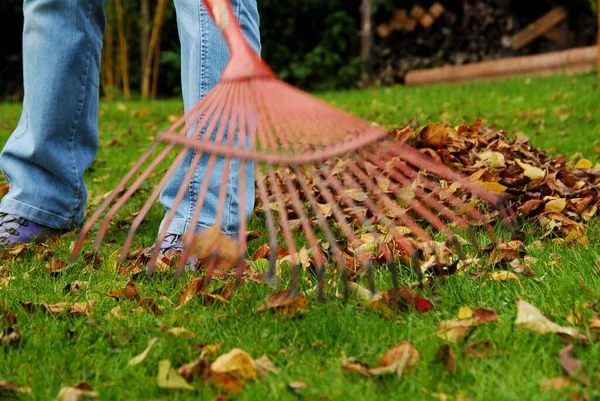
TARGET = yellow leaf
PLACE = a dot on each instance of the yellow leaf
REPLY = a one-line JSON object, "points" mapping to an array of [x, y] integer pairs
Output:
{"points": [[169, 379], [495, 159], [465, 313], [504, 275], [236, 362], [584, 164], [139, 358], [493, 186], [556, 205], [356, 194], [529, 171]]}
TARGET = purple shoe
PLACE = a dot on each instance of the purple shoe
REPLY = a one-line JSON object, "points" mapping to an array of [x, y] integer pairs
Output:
{"points": [[18, 230], [168, 256]]}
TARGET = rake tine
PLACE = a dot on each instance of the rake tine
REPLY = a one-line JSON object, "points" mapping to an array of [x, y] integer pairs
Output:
{"points": [[243, 130], [262, 191], [285, 226], [197, 109], [158, 189], [230, 136], [475, 214], [425, 197], [189, 175], [338, 215], [323, 223], [319, 259]]}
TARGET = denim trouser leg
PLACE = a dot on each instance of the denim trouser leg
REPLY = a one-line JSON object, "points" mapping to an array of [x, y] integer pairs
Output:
{"points": [[204, 55], [56, 138]]}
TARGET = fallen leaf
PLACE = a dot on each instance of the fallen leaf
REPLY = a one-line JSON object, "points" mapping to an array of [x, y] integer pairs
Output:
{"points": [[556, 383], [130, 291], [213, 242], [556, 205], [503, 275], [9, 389], [595, 322], [57, 266], [446, 356], [401, 358], [530, 318], [79, 392], [181, 332], [529, 171], [169, 379], [569, 364], [263, 365], [236, 362], [284, 303], [465, 312], [139, 358]]}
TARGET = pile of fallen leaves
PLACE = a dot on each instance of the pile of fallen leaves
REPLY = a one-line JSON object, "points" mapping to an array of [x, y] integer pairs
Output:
{"points": [[561, 194]]}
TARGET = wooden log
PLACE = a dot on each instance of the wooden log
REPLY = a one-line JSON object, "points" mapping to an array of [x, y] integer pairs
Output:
{"points": [[384, 30], [398, 20], [568, 61], [427, 21], [537, 28], [410, 25], [436, 10], [417, 12]]}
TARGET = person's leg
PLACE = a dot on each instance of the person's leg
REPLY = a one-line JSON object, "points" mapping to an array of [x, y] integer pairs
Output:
{"points": [[57, 136], [204, 55]]}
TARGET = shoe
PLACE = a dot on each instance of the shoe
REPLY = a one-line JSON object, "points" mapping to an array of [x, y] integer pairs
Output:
{"points": [[18, 230], [168, 254]]}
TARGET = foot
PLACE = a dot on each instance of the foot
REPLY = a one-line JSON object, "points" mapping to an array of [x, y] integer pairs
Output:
{"points": [[18, 230], [170, 250]]}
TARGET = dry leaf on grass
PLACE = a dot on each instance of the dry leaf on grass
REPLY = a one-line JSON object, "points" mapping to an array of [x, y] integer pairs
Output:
{"points": [[530, 318], [401, 358], [130, 291], [73, 309], [446, 356], [236, 362], [284, 303], [569, 364], [212, 241], [79, 392], [169, 379], [456, 330], [139, 358], [10, 390]]}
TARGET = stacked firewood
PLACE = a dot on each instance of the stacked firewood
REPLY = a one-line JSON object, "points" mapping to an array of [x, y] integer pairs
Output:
{"points": [[431, 35]]}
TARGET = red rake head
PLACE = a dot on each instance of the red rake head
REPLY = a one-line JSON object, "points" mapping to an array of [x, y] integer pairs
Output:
{"points": [[327, 168]]}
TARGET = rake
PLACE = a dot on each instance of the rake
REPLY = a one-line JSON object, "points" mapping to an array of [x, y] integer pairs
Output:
{"points": [[305, 153]]}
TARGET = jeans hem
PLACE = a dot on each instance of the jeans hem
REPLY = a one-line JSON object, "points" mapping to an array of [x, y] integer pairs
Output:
{"points": [[37, 215], [180, 226]]}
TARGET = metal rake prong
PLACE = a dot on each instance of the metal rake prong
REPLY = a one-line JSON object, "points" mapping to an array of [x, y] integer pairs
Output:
{"points": [[264, 198], [188, 177], [230, 136], [201, 112], [196, 109]]}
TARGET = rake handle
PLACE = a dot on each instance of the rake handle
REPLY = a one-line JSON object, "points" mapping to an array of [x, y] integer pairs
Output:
{"points": [[244, 62]]}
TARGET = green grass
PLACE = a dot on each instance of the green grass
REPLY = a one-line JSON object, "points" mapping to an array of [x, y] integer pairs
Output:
{"points": [[559, 114]]}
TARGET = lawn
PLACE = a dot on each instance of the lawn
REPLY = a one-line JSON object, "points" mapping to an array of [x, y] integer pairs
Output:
{"points": [[560, 114]]}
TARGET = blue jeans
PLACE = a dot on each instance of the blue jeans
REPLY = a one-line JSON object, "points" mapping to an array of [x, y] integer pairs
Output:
{"points": [[56, 138]]}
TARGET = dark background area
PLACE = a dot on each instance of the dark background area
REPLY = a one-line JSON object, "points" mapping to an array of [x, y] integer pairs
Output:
{"points": [[315, 44]]}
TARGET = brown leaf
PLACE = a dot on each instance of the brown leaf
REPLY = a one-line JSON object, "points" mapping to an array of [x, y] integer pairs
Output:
{"points": [[595, 322], [75, 309], [569, 364], [213, 242], [436, 135], [446, 356], [130, 291], [483, 316], [284, 303], [264, 365], [56, 266], [10, 390], [196, 288], [556, 383], [401, 358]]}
